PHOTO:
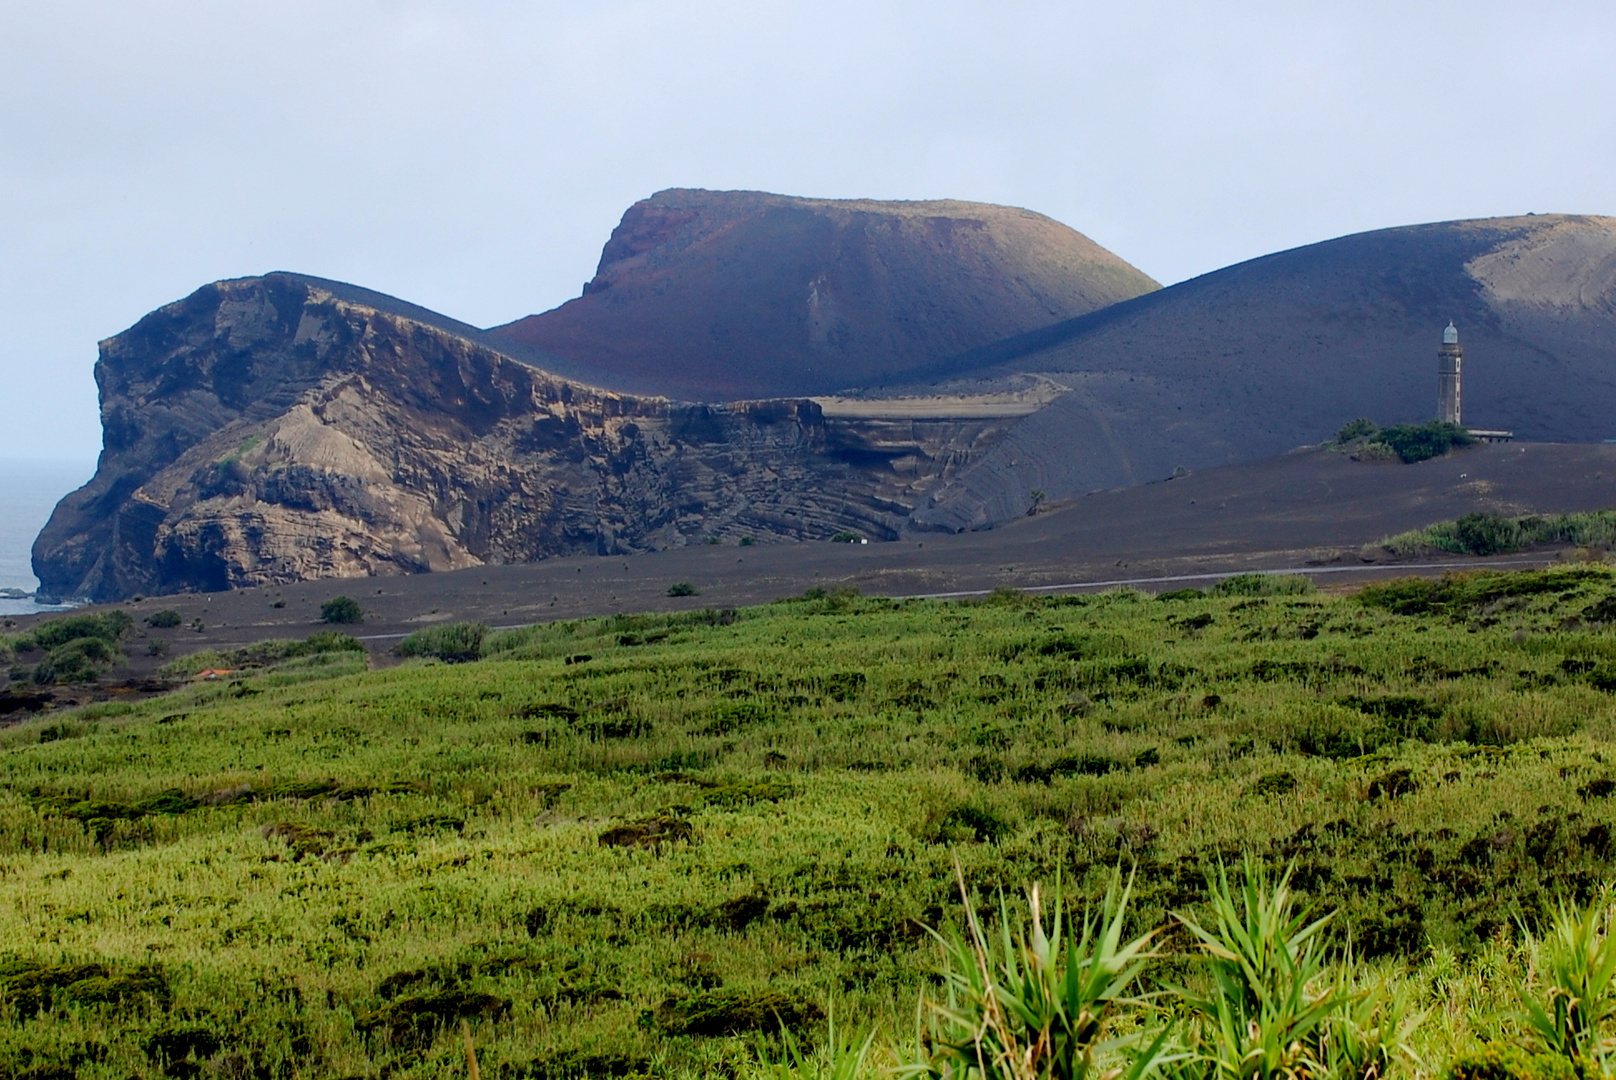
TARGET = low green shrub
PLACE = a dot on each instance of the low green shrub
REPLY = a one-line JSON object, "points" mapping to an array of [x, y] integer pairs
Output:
{"points": [[79, 660], [109, 626], [683, 588], [1462, 595], [1407, 443], [1420, 442], [1494, 534], [455, 643], [1353, 430], [78, 648], [166, 619], [1501, 1061], [264, 654], [1263, 585]]}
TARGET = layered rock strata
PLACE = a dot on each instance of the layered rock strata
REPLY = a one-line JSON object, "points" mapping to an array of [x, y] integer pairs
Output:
{"points": [[284, 428]]}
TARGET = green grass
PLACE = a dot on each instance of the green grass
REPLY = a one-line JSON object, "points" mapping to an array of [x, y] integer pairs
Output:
{"points": [[633, 844]]}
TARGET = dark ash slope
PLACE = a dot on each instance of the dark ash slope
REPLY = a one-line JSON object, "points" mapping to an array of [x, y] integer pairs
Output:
{"points": [[1258, 358]]}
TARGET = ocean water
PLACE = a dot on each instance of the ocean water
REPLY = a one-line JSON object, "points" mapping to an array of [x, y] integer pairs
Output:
{"points": [[29, 491]]}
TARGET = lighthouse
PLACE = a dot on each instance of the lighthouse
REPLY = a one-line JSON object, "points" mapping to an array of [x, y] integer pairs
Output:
{"points": [[1449, 361], [1449, 358]]}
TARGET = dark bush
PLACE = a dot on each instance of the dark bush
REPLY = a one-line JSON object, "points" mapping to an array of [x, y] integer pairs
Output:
{"points": [[1069, 765], [171, 1044], [268, 653], [649, 832], [1601, 611], [121, 989], [1274, 783], [733, 1012], [342, 610], [166, 619], [683, 588], [1340, 738], [553, 709], [742, 911], [980, 825], [1463, 594], [1397, 930], [578, 1065], [841, 685], [400, 981], [742, 793], [413, 1021], [728, 719], [1392, 785], [30, 986]]}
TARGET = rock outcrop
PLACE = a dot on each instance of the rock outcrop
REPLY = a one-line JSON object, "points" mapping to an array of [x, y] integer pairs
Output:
{"points": [[717, 295], [284, 428]]}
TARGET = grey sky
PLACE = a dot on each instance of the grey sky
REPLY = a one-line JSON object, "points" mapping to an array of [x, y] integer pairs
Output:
{"points": [[473, 156]]}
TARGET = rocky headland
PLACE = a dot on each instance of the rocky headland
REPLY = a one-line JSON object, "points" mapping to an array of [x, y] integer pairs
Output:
{"points": [[282, 428]]}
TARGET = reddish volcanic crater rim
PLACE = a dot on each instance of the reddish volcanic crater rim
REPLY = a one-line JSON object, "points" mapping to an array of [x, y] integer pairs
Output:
{"points": [[709, 295]]}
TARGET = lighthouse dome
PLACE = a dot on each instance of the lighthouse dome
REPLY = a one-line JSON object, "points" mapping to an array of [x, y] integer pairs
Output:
{"points": [[1450, 336]]}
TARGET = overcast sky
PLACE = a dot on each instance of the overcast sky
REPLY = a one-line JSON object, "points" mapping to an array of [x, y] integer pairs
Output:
{"points": [[473, 156]]}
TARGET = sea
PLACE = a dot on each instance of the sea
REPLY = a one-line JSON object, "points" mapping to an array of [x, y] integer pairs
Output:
{"points": [[29, 491]]}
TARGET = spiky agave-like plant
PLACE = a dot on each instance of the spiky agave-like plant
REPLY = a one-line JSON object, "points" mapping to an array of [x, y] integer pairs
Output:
{"points": [[1267, 1013], [838, 1057], [1031, 1003], [1576, 978], [1370, 1036]]}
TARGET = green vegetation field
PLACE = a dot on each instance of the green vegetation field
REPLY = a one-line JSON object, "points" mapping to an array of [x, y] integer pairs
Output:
{"points": [[635, 845]]}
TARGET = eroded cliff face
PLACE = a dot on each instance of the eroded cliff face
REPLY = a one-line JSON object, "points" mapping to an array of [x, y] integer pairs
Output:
{"points": [[282, 428]]}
